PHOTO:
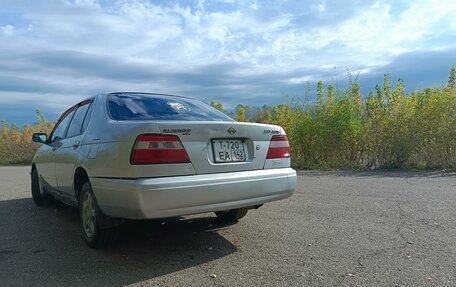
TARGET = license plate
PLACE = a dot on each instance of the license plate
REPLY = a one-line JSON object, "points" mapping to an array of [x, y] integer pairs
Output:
{"points": [[228, 150]]}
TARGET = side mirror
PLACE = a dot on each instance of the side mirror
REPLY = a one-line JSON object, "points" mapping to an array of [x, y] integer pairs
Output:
{"points": [[39, 138]]}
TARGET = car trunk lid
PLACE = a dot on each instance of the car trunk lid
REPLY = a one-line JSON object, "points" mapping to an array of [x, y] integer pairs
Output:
{"points": [[215, 147]]}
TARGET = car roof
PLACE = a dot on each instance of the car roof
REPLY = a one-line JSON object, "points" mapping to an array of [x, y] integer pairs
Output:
{"points": [[151, 94]]}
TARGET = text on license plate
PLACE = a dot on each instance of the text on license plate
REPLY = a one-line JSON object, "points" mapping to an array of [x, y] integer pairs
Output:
{"points": [[228, 150]]}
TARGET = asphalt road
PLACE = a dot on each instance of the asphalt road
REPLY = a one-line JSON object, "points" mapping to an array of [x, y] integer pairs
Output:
{"points": [[338, 229]]}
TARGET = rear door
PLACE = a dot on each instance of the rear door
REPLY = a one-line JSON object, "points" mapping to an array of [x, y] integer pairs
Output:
{"points": [[67, 155]]}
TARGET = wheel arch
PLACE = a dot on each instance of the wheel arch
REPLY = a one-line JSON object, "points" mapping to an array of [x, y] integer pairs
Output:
{"points": [[80, 177], [33, 168]]}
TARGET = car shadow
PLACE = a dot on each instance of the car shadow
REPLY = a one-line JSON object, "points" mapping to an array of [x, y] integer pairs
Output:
{"points": [[44, 246]]}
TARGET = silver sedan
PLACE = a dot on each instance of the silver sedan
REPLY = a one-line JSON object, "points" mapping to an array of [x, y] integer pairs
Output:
{"points": [[140, 156]]}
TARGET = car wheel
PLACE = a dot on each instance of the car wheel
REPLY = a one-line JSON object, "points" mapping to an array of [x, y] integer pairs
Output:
{"points": [[231, 215], [39, 195], [91, 217]]}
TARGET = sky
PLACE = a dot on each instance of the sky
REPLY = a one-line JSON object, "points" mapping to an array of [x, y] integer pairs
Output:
{"points": [[56, 53]]}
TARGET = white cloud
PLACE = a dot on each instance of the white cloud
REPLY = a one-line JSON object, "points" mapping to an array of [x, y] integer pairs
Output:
{"points": [[299, 80], [322, 6], [7, 30], [211, 46], [377, 32], [185, 36]]}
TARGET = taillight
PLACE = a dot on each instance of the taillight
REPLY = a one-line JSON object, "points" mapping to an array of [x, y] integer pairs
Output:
{"points": [[279, 147], [151, 148]]}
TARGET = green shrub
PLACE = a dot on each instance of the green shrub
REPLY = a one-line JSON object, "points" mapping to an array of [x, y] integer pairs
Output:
{"points": [[386, 129], [341, 129], [16, 145]]}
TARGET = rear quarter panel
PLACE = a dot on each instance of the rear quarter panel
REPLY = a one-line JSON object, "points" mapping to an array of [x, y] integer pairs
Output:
{"points": [[108, 144]]}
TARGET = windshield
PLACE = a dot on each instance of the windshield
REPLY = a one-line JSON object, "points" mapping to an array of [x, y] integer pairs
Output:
{"points": [[127, 107]]}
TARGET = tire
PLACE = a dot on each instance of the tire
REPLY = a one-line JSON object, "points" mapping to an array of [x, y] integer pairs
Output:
{"points": [[90, 217], [231, 215], [39, 195]]}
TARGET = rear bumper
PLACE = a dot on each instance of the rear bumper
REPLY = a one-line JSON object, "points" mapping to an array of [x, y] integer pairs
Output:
{"points": [[174, 196]]}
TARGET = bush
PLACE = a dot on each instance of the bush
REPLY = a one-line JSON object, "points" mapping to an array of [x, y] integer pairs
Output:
{"points": [[386, 129], [341, 129], [16, 145]]}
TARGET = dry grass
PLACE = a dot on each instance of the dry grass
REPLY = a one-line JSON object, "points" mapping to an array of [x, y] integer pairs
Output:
{"points": [[16, 145]]}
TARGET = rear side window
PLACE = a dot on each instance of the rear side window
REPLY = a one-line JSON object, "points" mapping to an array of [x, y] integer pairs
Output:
{"points": [[60, 129], [87, 119], [76, 123], [125, 107]]}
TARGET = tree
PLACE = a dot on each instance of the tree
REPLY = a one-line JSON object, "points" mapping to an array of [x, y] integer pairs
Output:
{"points": [[240, 113], [387, 88], [216, 105], [320, 95], [268, 117], [4, 128], [452, 79]]}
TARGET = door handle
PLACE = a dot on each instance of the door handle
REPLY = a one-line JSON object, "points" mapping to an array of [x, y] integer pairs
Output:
{"points": [[76, 144]]}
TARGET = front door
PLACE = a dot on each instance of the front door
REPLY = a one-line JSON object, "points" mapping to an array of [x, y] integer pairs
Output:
{"points": [[48, 160], [46, 166]]}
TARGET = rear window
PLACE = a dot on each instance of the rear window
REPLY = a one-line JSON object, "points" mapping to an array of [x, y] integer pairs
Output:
{"points": [[123, 107]]}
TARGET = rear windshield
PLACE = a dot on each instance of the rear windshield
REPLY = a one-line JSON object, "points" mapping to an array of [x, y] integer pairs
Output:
{"points": [[126, 107]]}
